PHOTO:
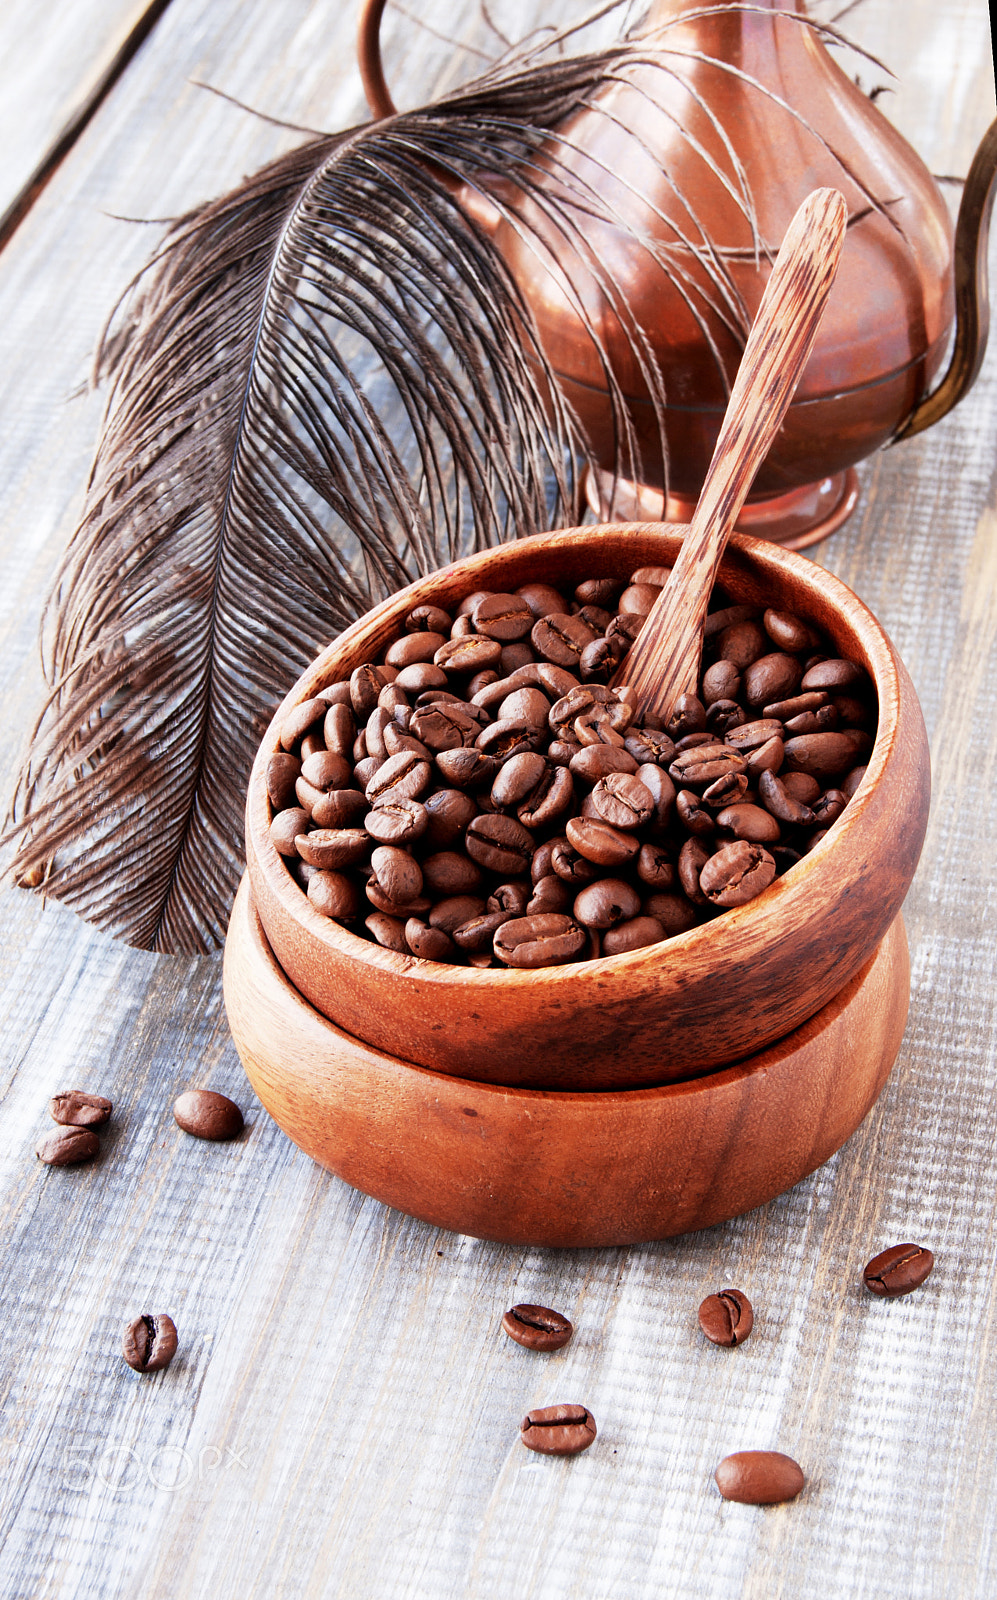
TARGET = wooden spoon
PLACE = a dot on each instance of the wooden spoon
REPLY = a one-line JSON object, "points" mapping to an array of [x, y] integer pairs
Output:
{"points": [[663, 662]]}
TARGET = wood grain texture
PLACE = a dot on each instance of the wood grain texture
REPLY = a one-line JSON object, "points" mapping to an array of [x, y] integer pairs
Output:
{"points": [[664, 661], [348, 1406], [528, 1167]]}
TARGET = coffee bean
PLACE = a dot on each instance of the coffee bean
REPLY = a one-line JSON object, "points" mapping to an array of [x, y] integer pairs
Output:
{"points": [[560, 638], [552, 797], [771, 677], [525, 705], [428, 619], [696, 818], [334, 895], [563, 1430], [448, 813], [398, 822], [297, 722], [340, 808], [402, 777], [447, 873], [470, 654], [333, 848], [429, 944], [499, 844], [672, 912], [150, 1342], [397, 874], [824, 755], [688, 717], [742, 643], [704, 764], [67, 1147], [600, 843], [547, 939], [550, 894], [726, 1318], [283, 770], [208, 1115], [623, 801], [726, 617], [635, 934], [603, 904], [286, 828], [777, 799], [537, 1327], [655, 867], [693, 858], [834, 674], [898, 1270], [74, 1109], [366, 683], [454, 911], [467, 768], [414, 648], [736, 874], [505, 617], [749, 822], [389, 932], [759, 1478], [595, 761]]}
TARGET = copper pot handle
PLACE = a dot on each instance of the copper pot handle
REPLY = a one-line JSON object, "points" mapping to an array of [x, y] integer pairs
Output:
{"points": [[972, 300], [369, 57]]}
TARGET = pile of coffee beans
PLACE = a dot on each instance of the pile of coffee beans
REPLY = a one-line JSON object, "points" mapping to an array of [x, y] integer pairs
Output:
{"points": [[482, 795]]}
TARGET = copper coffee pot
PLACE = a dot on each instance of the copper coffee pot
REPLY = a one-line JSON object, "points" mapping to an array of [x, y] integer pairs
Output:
{"points": [[722, 100]]}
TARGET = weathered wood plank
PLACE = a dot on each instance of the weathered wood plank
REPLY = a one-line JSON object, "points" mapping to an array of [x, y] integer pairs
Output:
{"points": [[342, 1417]]}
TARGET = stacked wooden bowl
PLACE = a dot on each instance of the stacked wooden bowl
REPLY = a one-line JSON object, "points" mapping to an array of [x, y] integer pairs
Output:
{"points": [[608, 1101]]}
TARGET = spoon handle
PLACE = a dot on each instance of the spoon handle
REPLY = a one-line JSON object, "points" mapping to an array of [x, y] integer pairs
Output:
{"points": [[663, 662]]}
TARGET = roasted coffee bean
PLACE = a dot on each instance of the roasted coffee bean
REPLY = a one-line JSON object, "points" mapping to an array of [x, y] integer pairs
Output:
{"points": [[759, 1478], [389, 932], [150, 1342], [340, 808], [207, 1114], [428, 943], [467, 768], [402, 909], [672, 912], [517, 778], [639, 598], [558, 1430], [470, 654], [326, 770], [336, 694], [366, 683], [428, 619], [454, 911], [334, 895], [736, 874], [623, 801], [414, 648], [828, 807], [749, 822], [339, 730], [722, 716], [402, 777], [655, 867], [704, 764], [800, 786], [725, 791], [477, 932], [423, 676], [726, 617], [297, 722], [397, 874], [688, 717], [334, 848], [595, 761], [504, 617], [525, 705], [776, 798], [726, 1318], [550, 894], [599, 843], [537, 1327], [767, 757], [547, 939], [598, 592], [605, 903], [448, 873], [448, 811], [511, 897], [849, 784], [560, 639], [823, 721], [693, 857], [649, 746], [834, 674], [742, 643], [398, 822], [67, 1147], [549, 801], [695, 817], [74, 1109], [721, 681], [499, 844], [898, 1270], [771, 677], [542, 599], [635, 934], [283, 771], [825, 755], [286, 827], [789, 632]]}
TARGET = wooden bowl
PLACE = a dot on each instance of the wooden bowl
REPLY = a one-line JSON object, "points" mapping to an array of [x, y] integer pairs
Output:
{"points": [[528, 1167], [670, 1011]]}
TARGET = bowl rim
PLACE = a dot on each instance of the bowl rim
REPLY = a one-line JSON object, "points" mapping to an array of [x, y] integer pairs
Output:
{"points": [[869, 638]]}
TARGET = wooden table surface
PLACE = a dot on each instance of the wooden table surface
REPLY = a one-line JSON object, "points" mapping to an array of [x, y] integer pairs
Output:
{"points": [[343, 1415]]}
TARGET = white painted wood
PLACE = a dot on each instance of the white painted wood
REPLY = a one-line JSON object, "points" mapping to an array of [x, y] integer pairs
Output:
{"points": [[342, 1417]]}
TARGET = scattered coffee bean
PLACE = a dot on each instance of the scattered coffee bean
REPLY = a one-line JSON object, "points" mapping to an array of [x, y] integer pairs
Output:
{"points": [[563, 1430], [150, 1342], [537, 1327], [726, 1318], [759, 1478], [898, 1270], [208, 1115], [67, 1147], [78, 1110], [487, 751]]}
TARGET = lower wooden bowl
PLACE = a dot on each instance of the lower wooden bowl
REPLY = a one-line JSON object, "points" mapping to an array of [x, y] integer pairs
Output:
{"points": [[533, 1167]]}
